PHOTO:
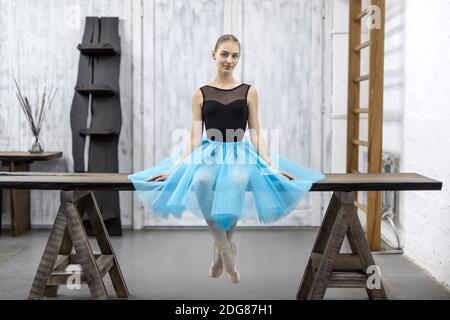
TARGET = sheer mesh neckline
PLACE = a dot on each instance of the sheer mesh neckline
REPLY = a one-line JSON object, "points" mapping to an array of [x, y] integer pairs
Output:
{"points": [[225, 96], [224, 89]]}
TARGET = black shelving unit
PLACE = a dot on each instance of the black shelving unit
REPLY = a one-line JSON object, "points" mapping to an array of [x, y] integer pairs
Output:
{"points": [[95, 116], [97, 132], [95, 49], [95, 89]]}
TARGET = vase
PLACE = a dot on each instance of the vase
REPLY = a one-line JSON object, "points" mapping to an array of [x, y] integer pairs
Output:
{"points": [[36, 145]]}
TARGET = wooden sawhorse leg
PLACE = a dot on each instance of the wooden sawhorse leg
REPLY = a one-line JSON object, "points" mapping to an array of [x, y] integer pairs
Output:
{"points": [[68, 245], [327, 267]]}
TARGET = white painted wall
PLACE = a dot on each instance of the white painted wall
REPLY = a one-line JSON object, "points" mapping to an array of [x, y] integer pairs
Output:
{"points": [[281, 56], [416, 117], [166, 49], [38, 41], [426, 142]]}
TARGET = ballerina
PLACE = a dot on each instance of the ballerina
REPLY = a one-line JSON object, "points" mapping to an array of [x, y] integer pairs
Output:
{"points": [[224, 178]]}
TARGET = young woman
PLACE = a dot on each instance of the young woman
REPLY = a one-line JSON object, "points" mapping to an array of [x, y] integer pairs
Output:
{"points": [[223, 178]]}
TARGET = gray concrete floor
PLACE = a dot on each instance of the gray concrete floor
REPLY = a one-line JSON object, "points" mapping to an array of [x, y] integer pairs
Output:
{"points": [[173, 264]]}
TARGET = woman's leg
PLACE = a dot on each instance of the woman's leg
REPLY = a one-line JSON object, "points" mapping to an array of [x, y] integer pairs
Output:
{"points": [[237, 186], [229, 234], [203, 181], [231, 231], [239, 179]]}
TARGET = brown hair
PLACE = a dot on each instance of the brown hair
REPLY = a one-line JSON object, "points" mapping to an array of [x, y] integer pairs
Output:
{"points": [[226, 37]]}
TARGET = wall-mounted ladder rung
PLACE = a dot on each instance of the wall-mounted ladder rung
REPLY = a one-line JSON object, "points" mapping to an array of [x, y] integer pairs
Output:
{"points": [[361, 206], [361, 110], [361, 78], [361, 15], [360, 142], [362, 46]]}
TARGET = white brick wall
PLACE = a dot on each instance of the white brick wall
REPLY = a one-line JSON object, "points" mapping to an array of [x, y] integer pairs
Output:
{"points": [[426, 147], [416, 117]]}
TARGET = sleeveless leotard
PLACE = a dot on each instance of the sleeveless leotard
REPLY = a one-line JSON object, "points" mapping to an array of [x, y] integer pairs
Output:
{"points": [[224, 109]]}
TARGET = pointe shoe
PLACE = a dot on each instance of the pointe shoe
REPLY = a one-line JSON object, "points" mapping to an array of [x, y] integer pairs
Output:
{"points": [[228, 255], [215, 270]]}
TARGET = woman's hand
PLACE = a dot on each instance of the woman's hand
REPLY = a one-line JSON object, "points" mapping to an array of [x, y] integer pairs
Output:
{"points": [[287, 175], [158, 177], [163, 176], [283, 173]]}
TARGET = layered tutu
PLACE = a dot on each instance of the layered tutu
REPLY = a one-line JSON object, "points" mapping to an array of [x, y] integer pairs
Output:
{"points": [[224, 182]]}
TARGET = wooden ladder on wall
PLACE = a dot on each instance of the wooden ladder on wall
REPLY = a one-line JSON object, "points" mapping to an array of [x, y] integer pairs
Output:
{"points": [[376, 15]]}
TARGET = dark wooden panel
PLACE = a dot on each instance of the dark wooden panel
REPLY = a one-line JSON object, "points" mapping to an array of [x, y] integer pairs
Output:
{"points": [[376, 182], [95, 132], [18, 156], [119, 181], [95, 89], [96, 48], [98, 83]]}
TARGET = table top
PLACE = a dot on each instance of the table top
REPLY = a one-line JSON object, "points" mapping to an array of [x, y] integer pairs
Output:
{"points": [[27, 156], [119, 181]]}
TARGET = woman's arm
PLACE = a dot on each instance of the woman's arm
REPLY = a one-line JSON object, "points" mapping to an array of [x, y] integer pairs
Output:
{"points": [[196, 127], [195, 138], [255, 132], [253, 124]]}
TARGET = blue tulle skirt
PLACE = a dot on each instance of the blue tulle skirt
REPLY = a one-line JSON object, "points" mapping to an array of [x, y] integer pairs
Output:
{"points": [[224, 182]]}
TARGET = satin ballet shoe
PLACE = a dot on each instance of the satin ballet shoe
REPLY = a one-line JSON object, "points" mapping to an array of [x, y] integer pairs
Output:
{"points": [[228, 255], [215, 270]]}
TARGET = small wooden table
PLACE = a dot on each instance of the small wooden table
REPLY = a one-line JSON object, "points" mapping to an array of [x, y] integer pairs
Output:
{"points": [[20, 199], [326, 267]]}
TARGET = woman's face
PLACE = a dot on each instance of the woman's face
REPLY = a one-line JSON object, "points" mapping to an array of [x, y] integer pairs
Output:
{"points": [[227, 56]]}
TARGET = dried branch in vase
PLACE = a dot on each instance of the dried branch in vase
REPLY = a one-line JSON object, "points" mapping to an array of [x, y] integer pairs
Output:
{"points": [[41, 109]]}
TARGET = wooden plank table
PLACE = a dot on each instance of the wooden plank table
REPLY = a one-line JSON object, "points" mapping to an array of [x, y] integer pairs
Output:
{"points": [[20, 199], [326, 267]]}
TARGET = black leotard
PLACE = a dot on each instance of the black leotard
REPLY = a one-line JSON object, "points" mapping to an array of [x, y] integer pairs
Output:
{"points": [[224, 109]]}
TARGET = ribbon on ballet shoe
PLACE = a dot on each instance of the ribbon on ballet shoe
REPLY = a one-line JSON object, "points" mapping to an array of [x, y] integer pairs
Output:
{"points": [[216, 268], [234, 275]]}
